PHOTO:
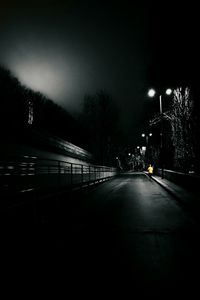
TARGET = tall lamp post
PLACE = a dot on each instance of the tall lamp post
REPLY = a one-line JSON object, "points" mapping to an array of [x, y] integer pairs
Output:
{"points": [[144, 135], [147, 137], [151, 93]]}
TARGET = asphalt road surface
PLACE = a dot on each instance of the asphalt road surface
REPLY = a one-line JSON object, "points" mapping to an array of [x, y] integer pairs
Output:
{"points": [[127, 232]]}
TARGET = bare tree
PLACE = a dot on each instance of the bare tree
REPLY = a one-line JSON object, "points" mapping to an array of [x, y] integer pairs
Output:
{"points": [[181, 119]]}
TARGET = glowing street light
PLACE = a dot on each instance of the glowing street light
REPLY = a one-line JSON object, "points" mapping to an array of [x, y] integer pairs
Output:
{"points": [[168, 92], [147, 136], [152, 92]]}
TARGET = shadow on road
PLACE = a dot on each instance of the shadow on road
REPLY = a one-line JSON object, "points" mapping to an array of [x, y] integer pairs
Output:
{"points": [[77, 238]]}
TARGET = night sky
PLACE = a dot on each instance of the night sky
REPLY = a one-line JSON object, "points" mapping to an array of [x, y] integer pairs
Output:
{"points": [[66, 49]]}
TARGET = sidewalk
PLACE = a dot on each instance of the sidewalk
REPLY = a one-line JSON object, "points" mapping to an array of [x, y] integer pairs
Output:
{"points": [[186, 198]]}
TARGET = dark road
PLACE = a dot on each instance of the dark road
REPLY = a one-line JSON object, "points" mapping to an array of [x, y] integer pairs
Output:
{"points": [[125, 232]]}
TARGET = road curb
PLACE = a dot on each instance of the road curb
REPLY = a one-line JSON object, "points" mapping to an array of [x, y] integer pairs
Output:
{"points": [[168, 189]]}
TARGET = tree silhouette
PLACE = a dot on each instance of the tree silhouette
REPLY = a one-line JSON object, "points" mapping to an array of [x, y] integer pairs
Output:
{"points": [[181, 119], [16, 103], [99, 118]]}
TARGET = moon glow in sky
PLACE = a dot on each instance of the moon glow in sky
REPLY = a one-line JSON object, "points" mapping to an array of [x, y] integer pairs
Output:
{"points": [[67, 49]]}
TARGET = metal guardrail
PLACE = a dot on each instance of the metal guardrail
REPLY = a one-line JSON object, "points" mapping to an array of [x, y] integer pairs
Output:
{"points": [[32, 173], [190, 181]]}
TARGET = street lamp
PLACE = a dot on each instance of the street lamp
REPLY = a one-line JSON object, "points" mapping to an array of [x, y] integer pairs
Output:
{"points": [[147, 137], [151, 93], [144, 135]]}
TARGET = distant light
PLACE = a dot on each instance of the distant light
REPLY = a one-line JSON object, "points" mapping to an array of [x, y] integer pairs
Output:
{"points": [[116, 157], [138, 147], [151, 93], [144, 148], [129, 154], [168, 91], [150, 134], [143, 134]]}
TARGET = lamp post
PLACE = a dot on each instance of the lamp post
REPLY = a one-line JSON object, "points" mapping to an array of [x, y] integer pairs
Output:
{"points": [[151, 93], [146, 136]]}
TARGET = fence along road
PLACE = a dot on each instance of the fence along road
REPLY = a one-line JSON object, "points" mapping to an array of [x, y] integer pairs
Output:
{"points": [[26, 173]]}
